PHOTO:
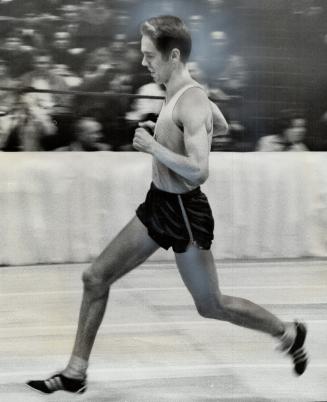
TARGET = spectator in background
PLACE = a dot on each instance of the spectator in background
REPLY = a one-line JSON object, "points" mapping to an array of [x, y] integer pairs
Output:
{"points": [[31, 38], [123, 24], [292, 130], [87, 136], [126, 79], [123, 59], [200, 35], [95, 11], [226, 67], [70, 15], [41, 77], [19, 58], [118, 47], [96, 25], [97, 64], [228, 80], [111, 70], [221, 142], [36, 29], [96, 76], [144, 108], [63, 51], [320, 137], [6, 97], [71, 79], [216, 65], [198, 74], [116, 129], [48, 113], [217, 14], [7, 101]]}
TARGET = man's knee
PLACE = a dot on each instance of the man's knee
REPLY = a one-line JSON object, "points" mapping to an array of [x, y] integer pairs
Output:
{"points": [[212, 307], [94, 283]]}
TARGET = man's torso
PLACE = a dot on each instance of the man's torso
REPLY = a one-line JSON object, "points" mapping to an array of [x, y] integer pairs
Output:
{"points": [[171, 136]]}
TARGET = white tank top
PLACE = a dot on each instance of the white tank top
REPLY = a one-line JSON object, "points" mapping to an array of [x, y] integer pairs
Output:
{"points": [[168, 134]]}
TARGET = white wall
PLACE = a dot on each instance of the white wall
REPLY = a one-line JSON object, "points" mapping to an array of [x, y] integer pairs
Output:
{"points": [[65, 207]]}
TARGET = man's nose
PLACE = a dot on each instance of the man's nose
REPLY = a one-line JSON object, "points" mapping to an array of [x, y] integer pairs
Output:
{"points": [[144, 62]]}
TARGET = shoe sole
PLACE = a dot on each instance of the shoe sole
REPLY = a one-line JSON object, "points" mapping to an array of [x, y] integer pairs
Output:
{"points": [[79, 392], [301, 334], [36, 390]]}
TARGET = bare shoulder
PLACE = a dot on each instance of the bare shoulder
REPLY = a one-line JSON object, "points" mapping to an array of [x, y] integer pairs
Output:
{"points": [[193, 103], [194, 96]]}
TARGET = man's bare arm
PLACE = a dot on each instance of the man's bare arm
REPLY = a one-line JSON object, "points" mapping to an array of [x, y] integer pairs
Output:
{"points": [[192, 114], [220, 125]]}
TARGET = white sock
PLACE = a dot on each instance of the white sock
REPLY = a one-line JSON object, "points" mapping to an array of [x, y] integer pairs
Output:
{"points": [[287, 339], [76, 368]]}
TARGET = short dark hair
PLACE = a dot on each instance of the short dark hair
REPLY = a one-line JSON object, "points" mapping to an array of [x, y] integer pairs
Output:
{"points": [[168, 32]]}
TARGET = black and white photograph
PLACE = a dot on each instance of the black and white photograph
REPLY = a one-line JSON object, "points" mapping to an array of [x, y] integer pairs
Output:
{"points": [[163, 200]]}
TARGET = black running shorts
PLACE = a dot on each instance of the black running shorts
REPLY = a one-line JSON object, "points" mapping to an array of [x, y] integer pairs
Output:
{"points": [[177, 220]]}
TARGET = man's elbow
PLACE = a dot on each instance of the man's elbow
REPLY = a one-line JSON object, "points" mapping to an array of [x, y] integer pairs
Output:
{"points": [[200, 176]]}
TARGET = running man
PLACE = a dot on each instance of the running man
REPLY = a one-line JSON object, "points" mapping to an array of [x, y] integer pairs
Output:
{"points": [[175, 213]]}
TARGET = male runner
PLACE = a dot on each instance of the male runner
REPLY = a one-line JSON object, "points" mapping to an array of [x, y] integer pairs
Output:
{"points": [[175, 213]]}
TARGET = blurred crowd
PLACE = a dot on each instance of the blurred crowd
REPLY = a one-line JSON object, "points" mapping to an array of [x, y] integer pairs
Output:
{"points": [[93, 46]]}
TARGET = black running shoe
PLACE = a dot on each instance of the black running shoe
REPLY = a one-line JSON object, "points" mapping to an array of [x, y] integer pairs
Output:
{"points": [[297, 351], [59, 382]]}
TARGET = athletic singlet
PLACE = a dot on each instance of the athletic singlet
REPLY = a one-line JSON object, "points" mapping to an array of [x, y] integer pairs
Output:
{"points": [[168, 134]]}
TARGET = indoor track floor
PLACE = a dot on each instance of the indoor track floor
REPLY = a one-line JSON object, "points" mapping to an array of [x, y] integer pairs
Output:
{"points": [[153, 346]]}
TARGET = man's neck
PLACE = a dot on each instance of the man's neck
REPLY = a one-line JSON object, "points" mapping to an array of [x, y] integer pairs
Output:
{"points": [[178, 79]]}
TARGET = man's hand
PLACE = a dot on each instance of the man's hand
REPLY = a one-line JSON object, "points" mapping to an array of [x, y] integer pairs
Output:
{"points": [[143, 141]]}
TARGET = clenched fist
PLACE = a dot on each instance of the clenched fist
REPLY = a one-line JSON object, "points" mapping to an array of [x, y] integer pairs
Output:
{"points": [[143, 141]]}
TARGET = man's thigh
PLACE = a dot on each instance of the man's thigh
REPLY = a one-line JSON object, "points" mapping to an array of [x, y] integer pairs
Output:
{"points": [[198, 271], [130, 248]]}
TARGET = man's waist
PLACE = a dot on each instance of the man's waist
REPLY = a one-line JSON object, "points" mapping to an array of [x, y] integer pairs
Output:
{"points": [[186, 194]]}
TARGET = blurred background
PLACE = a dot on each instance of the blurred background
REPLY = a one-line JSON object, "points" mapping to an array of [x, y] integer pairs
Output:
{"points": [[262, 61]]}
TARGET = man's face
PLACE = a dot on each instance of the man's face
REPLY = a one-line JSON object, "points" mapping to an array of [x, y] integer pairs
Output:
{"points": [[296, 132], [61, 41], [159, 68], [42, 63], [89, 132], [13, 43]]}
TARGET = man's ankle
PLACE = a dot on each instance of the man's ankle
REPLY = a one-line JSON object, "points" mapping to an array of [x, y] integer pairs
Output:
{"points": [[76, 368], [287, 338]]}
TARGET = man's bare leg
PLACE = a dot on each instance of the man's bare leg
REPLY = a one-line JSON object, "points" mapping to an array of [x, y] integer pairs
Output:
{"points": [[130, 248], [198, 271], [199, 274]]}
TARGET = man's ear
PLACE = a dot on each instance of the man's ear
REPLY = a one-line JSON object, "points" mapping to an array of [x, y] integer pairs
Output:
{"points": [[175, 54]]}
